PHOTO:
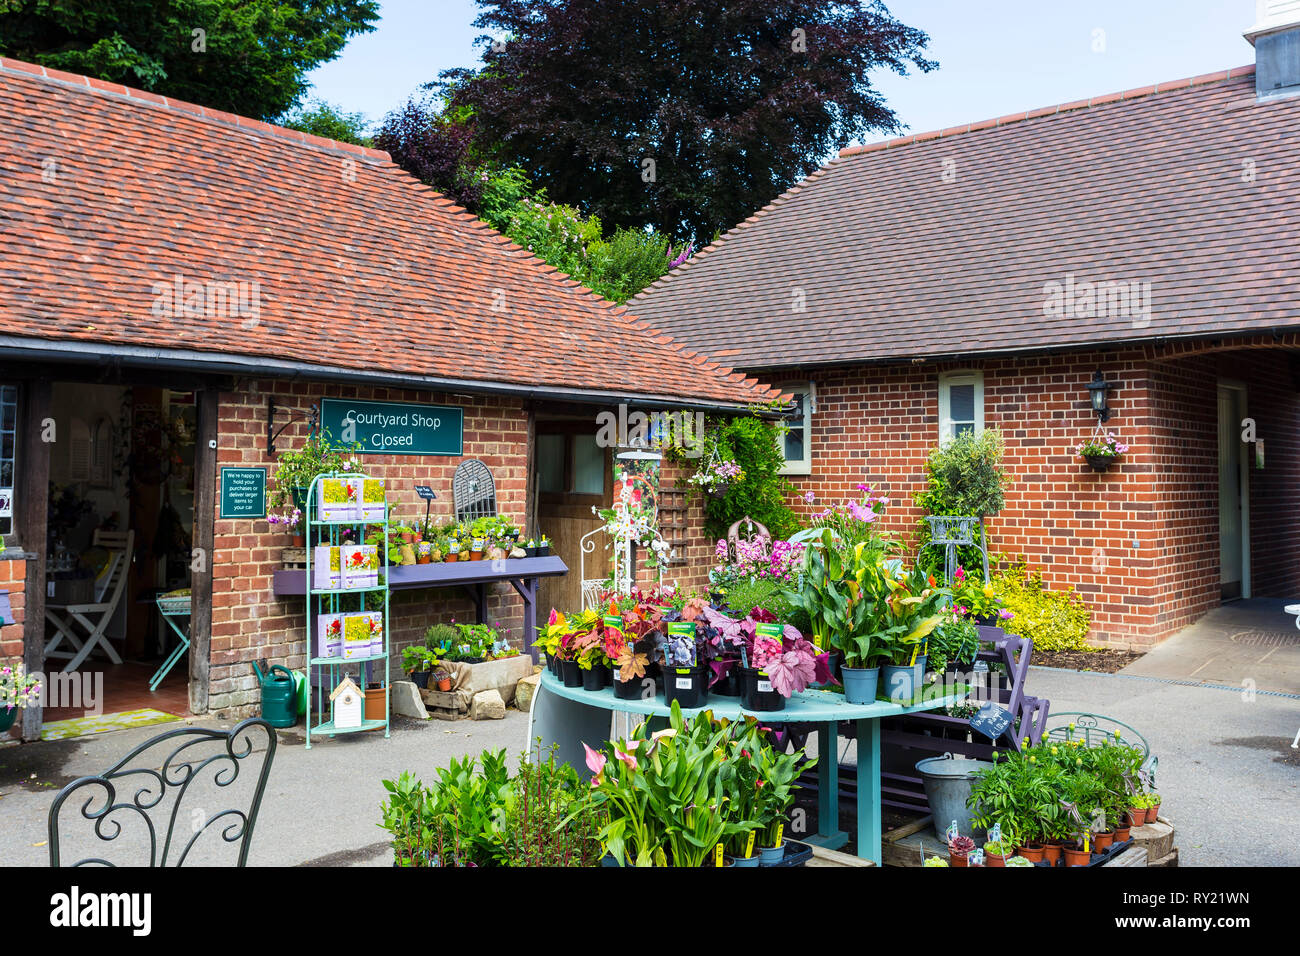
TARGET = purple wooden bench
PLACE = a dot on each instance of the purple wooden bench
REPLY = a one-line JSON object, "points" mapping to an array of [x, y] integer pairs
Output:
{"points": [[908, 739]]}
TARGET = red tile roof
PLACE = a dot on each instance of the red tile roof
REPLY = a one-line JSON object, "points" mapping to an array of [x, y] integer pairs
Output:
{"points": [[109, 194], [1191, 186]]}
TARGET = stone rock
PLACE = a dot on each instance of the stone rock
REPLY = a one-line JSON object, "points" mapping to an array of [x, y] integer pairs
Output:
{"points": [[487, 705], [407, 700], [525, 691], [518, 553]]}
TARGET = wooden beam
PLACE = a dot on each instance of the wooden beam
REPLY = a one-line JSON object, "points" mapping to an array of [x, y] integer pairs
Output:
{"points": [[205, 497], [32, 489]]}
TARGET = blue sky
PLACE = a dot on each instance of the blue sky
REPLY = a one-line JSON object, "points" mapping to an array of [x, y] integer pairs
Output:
{"points": [[995, 57]]}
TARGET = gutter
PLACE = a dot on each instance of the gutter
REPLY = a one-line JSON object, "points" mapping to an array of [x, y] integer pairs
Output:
{"points": [[191, 360]]}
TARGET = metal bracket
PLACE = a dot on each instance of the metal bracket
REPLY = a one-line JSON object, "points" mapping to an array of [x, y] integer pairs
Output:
{"points": [[312, 416]]}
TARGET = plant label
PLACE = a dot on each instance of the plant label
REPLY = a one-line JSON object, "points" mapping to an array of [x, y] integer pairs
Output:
{"points": [[952, 832], [765, 687], [991, 720], [995, 833], [684, 683], [425, 492]]}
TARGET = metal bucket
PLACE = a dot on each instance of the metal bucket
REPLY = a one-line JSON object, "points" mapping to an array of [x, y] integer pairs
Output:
{"points": [[948, 781]]}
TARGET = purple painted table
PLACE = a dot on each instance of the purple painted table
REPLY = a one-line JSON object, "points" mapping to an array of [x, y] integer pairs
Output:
{"points": [[522, 574]]}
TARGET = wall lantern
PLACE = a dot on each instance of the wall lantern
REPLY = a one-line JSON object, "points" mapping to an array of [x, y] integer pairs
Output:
{"points": [[1098, 388]]}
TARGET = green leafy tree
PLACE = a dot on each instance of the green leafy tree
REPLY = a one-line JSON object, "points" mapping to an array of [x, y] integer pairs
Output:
{"points": [[249, 57], [325, 119], [686, 116]]}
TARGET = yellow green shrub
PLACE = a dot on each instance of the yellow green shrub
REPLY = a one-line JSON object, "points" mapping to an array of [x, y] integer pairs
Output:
{"points": [[1053, 620]]}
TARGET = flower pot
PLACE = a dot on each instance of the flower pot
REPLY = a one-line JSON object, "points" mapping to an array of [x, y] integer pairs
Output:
{"points": [[1052, 853], [902, 682], [747, 860], [994, 859], [7, 717], [595, 677], [1099, 462], [476, 555], [633, 689], [444, 684], [686, 685], [1122, 834], [729, 684], [860, 684], [1076, 857], [1033, 852], [424, 558], [571, 673], [1101, 841], [543, 550], [756, 692], [376, 707], [720, 491], [452, 556], [420, 679], [771, 855], [1137, 816], [300, 541], [1152, 813], [957, 859]]}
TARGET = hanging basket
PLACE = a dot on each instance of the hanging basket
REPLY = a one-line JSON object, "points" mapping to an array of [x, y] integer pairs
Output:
{"points": [[949, 529], [720, 491], [1099, 462]]}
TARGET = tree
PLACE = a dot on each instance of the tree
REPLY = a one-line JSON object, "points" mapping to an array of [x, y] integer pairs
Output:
{"points": [[249, 57], [325, 119], [686, 117], [434, 147]]}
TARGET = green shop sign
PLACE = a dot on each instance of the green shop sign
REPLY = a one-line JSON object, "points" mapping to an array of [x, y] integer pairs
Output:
{"points": [[395, 429], [243, 492]]}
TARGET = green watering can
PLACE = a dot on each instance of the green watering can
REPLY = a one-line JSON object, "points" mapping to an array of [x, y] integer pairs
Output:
{"points": [[279, 695]]}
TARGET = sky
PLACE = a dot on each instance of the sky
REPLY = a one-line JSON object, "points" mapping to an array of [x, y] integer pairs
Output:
{"points": [[995, 56]]}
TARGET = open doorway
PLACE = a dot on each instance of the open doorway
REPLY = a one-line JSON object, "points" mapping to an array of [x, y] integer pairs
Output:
{"points": [[119, 536], [573, 474], [1234, 495]]}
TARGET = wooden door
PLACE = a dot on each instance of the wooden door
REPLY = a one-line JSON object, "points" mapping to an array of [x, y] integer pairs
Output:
{"points": [[573, 475]]}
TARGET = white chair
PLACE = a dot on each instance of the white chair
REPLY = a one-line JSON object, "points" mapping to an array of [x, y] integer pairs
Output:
{"points": [[93, 617]]}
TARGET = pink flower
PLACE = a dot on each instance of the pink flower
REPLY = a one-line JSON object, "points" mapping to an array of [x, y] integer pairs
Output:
{"points": [[628, 759], [595, 760]]}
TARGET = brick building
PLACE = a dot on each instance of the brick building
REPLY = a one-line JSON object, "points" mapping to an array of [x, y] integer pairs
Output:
{"points": [[984, 276], [180, 289]]}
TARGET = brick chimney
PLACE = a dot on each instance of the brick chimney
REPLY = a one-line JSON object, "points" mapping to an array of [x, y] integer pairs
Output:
{"points": [[1276, 38]]}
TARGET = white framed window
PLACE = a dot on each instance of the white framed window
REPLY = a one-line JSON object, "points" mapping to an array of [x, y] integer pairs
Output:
{"points": [[961, 403], [796, 443]]}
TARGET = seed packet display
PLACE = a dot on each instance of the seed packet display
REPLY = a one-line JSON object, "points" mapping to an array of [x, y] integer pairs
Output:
{"points": [[325, 568], [337, 499], [360, 565], [356, 636], [372, 499], [679, 646], [329, 635]]}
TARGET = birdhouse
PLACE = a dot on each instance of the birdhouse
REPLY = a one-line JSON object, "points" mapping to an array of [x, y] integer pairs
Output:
{"points": [[349, 704]]}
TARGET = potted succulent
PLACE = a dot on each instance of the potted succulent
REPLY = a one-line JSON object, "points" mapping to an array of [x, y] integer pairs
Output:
{"points": [[17, 690], [935, 861], [997, 851], [1101, 450], [959, 850]]}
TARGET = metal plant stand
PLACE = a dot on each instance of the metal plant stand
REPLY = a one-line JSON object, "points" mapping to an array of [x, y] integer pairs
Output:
{"points": [[953, 531], [324, 673]]}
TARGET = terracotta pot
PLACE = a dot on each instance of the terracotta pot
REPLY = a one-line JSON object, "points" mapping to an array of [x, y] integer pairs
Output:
{"points": [[452, 556], [1075, 857], [300, 541], [375, 703], [1033, 852], [1102, 841], [424, 559], [407, 537], [476, 555], [992, 859], [1152, 813], [1137, 816], [1052, 853], [444, 684], [957, 859], [1121, 834]]}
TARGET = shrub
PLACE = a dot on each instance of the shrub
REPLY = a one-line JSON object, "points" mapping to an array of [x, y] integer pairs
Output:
{"points": [[964, 476], [1053, 620], [751, 442], [748, 593], [622, 265]]}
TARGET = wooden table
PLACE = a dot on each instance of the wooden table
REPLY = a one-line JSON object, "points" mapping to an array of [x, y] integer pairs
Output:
{"points": [[523, 574], [569, 716]]}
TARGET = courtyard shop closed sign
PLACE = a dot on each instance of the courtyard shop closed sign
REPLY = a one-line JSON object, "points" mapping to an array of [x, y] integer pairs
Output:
{"points": [[393, 428]]}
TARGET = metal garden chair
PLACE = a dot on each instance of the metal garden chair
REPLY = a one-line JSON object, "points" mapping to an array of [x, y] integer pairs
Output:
{"points": [[93, 616], [146, 797], [1098, 730]]}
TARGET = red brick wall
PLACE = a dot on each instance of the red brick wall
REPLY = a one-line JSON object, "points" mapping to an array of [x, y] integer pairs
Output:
{"points": [[12, 576], [249, 622], [1138, 542]]}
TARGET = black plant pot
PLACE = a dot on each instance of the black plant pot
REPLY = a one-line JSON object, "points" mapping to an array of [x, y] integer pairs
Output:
{"points": [[632, 689], [753, 697], [571, 673], [596, 678], [542, 551], [686, 685], [420, 679], [729, 685]]}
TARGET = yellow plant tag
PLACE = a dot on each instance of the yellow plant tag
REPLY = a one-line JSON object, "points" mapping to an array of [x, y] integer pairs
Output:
{"points": [[1086, 837], [717, 855], [780, 834], [749, 845]]}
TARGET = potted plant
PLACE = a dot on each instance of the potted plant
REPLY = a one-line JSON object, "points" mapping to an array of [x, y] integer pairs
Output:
{"points": [[997, 851], [543, 547], [717, 476], [1101, 450], [418, 660], [292, 522], [296, 470], [17, 690], [959, 850]]}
